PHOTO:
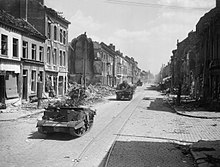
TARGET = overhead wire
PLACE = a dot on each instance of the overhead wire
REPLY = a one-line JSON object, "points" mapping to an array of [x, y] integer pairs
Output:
{"points": [[155, 5]]}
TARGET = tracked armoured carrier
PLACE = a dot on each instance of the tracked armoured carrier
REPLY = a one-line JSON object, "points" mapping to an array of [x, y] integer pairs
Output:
{"points": [[72, 120], [124, 91]]}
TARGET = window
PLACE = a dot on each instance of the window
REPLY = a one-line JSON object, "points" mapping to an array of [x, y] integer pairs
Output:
{"points": [[15, 47], [33, 81], [61, 35], [41, 53], [64, 37], [61, 62], [40, 76], [55, 32], [33, 51], [25, 50], [48, 55], [55, 56], [49, 30], [64, 58], [4, 45]]}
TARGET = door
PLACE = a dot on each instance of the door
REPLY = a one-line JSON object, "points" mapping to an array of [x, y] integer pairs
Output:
{"points": [[25, 84], [2, 89]]}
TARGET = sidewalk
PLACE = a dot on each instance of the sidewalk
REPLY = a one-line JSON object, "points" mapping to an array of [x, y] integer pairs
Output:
{"points": [[205, 153], [13, 113]]}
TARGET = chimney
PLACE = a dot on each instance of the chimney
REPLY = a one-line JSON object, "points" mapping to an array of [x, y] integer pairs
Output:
{"points": [[218, 3], [112, 46]]}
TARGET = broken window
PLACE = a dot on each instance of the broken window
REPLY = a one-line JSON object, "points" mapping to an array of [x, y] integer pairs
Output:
{"points": [[33, 51], [61, 62], [25, 50], [64, 37], [61, 35], [48, 55], [4, 45], [64, 58], [40, 76], [54, 56], [33, 81], [15, 47], [41, 53]]}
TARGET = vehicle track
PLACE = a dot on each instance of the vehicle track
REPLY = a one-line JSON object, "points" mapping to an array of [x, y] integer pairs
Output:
{"points": [[135, 102]]}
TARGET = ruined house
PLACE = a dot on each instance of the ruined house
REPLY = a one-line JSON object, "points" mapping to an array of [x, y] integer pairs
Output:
{"points": [[208, 29], [81, 60]]}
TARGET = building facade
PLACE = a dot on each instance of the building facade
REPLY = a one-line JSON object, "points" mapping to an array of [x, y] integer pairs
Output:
{"points": [[118, 67], [108, 62], [81, 60], [208, 29], [22, 58], [52, 25]]}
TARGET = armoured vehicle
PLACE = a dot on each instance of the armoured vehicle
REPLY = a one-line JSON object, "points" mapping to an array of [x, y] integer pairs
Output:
{"points": [[72, 120], [124, 91]]}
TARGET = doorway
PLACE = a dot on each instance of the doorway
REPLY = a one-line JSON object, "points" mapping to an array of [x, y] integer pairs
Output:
{"points": [[2, 89], [25, 84]]}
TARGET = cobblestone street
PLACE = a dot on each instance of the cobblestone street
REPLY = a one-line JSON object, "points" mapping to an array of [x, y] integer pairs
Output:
{"points": [[151, 132], [143, 132]]}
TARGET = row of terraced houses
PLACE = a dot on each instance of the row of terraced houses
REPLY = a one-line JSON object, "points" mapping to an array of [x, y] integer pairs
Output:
{"points": [[34, 49], [194, 68]]}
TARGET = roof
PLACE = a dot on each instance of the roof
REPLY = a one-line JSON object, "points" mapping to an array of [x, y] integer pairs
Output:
{"points": [[53, 13], [19, 24]]}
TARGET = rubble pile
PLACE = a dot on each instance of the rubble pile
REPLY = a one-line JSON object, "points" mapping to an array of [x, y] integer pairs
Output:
{"points": [[96, 93], [78, 95]]}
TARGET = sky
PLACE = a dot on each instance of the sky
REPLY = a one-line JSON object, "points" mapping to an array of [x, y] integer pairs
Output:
{"points": [[146, 30]]}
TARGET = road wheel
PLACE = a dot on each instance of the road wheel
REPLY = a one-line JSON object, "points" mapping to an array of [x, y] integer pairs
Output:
{"points": [[78, 132]]}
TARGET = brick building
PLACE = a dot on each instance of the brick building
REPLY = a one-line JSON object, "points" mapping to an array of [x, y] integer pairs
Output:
{"points": [[81, 60], [55, 27], [108, 64], [21, 57], [208, 29]]}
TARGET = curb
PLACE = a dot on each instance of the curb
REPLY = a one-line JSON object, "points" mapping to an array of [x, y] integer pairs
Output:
{"points": [[24, 116], [192, 116]]}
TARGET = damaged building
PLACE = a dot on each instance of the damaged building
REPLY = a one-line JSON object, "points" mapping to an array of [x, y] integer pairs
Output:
{"points": [[81, 60]]}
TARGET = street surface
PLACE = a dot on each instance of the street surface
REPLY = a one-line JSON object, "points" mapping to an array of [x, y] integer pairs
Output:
{"points": [[141, 132]]}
